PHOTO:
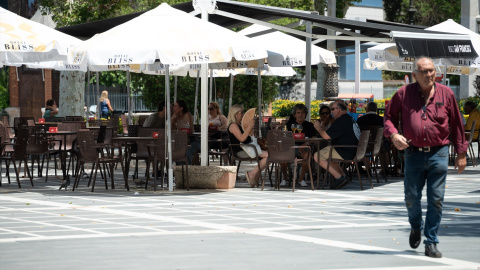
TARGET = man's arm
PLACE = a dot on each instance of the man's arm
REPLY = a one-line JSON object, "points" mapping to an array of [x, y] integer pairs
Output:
{"points": [[391, 119], [457, 134], [321, 130]]}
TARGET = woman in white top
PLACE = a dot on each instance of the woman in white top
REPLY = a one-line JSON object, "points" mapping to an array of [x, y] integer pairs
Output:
{"points": [[215, 117]]}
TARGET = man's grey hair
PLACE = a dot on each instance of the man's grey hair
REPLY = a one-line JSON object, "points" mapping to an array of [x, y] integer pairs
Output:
{"points": [[341, 106], [415, 63]]}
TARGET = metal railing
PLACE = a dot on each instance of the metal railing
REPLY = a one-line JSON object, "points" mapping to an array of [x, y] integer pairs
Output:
{"points": [[119, 102]]}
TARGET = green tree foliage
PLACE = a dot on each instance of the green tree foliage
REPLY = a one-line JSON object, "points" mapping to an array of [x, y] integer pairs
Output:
{"points": [[429, 12], [4, 94]]}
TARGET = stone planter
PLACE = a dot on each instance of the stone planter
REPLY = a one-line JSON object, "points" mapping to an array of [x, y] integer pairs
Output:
{"points": [[207, 177]]}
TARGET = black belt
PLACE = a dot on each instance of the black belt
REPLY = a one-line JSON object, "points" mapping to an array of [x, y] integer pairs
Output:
{"points": [[426, 148]]}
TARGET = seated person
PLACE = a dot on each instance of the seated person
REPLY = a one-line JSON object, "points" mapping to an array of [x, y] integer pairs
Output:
{"points": [[371, 118], [470, 108], [157, 119], [237, 135], [215, 117], [182, 120], [219, 121], [326, 117], [51, 109], [344, 131], [300, 112]]}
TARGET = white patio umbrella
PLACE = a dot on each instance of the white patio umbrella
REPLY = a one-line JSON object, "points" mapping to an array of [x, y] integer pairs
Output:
{"points": [[26, 41], [288, 51], [172, 37], [386, 57]]}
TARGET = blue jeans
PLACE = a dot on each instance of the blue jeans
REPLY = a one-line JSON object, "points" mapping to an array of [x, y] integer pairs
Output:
{"points": [[430, 168]]}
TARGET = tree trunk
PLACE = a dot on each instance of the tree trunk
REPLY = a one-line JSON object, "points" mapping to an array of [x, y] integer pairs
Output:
{"points": [[72, 90]]}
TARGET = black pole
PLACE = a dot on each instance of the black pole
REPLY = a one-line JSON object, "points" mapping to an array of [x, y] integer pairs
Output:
{"points": [[411, 11]]}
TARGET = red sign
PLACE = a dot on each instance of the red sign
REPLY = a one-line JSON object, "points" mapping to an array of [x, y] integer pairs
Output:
{"points": [[53, 129], [299, 135], [41, 120], [265, 119], [155, 135]]}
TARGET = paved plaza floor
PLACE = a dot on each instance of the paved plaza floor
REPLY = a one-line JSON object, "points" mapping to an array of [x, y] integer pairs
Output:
{"points": [[243, 228]]}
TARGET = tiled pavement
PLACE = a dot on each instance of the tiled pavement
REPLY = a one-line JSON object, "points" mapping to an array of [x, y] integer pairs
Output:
{"points": [[243, 228]]}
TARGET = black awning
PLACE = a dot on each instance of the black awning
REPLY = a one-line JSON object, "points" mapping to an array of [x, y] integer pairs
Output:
{"points": [[435, 48], [368, 28]]}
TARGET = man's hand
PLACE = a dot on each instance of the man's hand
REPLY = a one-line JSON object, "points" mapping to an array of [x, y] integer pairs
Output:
{"points": [[318, 126], [399, 141], [461, 162]]}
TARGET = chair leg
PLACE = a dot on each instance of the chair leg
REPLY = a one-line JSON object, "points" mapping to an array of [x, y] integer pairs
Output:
{"points": [[16, 173], [359, 176], [77, 176], [294, 175], [95, 176], [310, 172]]}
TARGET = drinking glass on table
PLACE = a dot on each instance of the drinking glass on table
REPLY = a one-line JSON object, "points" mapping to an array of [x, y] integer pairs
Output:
{"points": [[299, 128], [294, 128]]}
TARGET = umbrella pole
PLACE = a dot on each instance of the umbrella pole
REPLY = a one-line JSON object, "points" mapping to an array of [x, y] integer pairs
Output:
{"points": [[259, 95], [88, 97], [169, 129], [97, 98], [308, 70], [129, 99], [175, 90], [211, 84], [195, 109], [203, 106], [231, 93]]}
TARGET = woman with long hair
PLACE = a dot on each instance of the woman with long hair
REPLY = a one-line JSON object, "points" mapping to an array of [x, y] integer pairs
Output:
{"points": [[237, 135], [105, 106], [215, 117], [182, 119]]}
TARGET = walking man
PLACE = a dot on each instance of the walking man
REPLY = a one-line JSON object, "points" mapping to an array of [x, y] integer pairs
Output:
{"points": [[429, 114]]}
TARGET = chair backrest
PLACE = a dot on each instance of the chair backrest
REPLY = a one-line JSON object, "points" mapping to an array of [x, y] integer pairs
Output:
{"points": [[133, 130], [74, 118], [159, 151], [142, 150], [20, 147], [362, 144], [124, 120], [20, 121], [69, 138], [4, 134], [101, 134], [54, 119], [5, 120], [279, 145], [37, 142], [472, 132], [179, 144], [378, 142], [86, 145]]}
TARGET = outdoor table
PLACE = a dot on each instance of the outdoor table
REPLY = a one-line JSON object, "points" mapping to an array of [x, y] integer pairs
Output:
{"points": [[318, 142], [63, 159]]}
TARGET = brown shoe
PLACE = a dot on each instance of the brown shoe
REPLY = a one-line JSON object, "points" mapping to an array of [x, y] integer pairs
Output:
{"points": [[432, 251]]}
